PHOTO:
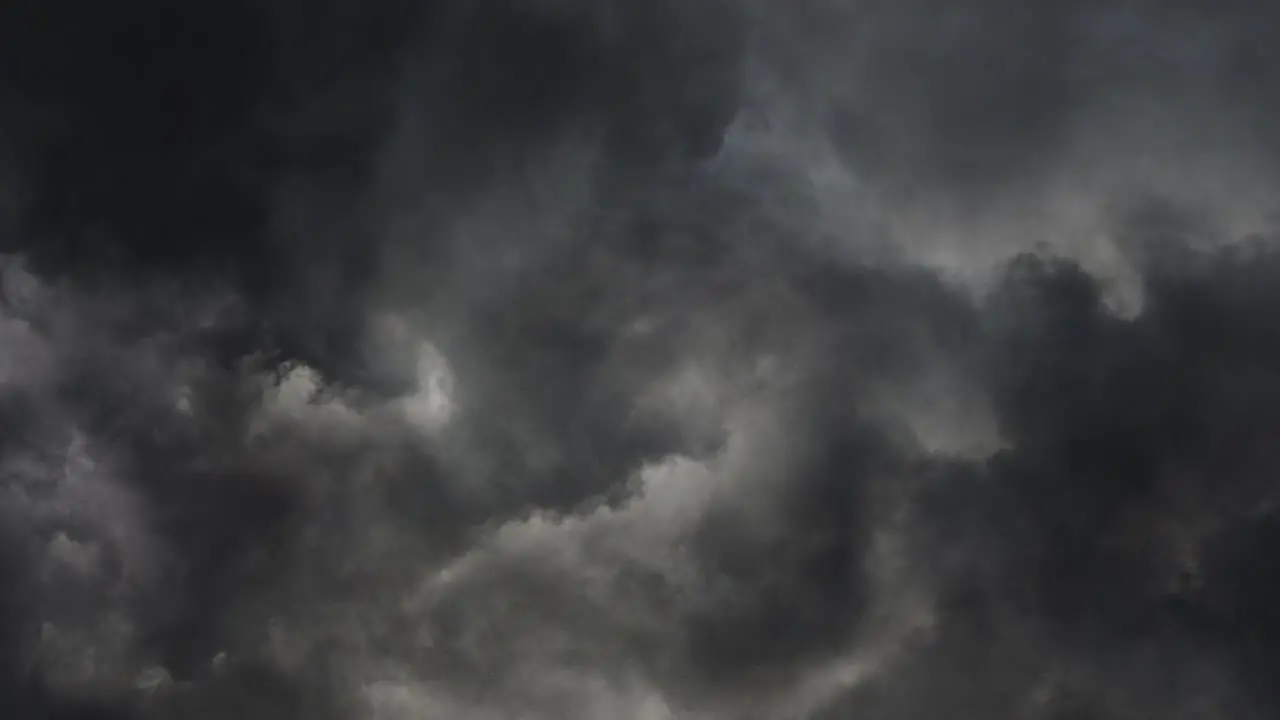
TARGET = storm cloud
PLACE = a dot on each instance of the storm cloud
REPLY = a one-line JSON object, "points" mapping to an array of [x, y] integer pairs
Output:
{"points": [[603, 359]]}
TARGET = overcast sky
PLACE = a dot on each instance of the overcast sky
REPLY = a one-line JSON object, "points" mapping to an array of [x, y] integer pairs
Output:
{"points": [[621, 360]]}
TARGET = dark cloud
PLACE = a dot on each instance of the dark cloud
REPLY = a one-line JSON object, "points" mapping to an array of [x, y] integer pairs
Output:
{"points": [[638, 360], [991, 92]]}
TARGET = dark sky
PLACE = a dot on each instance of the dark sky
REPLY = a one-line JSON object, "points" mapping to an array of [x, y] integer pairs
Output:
{"points": [[619, 360]]}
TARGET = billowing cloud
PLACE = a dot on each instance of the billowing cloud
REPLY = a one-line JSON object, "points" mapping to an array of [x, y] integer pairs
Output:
{"points": [[651, 361]]}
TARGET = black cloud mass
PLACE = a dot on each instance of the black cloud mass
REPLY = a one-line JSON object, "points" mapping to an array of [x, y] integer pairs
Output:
{"points": [[608, 359]]}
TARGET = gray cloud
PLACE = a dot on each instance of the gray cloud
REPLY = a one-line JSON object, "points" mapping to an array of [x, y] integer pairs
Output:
{"points": [[596, 360]]}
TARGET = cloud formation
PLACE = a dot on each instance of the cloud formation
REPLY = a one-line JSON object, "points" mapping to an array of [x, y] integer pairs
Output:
{"points": [[589, 359]]}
